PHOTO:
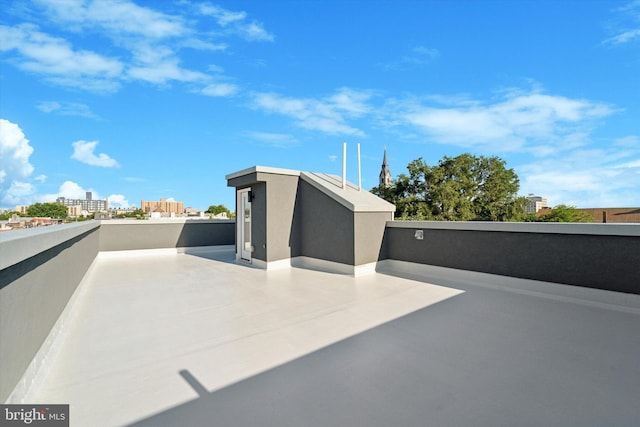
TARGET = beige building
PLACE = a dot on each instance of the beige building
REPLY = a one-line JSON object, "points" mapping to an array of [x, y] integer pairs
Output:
{"points": [[74, 210], [22, 209], [535, 203], [165, 205]]}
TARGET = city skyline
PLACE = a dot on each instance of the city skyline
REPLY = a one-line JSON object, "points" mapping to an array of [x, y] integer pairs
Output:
{"points": [[137, 100]]}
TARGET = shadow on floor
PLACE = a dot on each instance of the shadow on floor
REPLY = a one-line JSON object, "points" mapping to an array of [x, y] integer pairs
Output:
{"points": [[223, 255], [483, 358]]}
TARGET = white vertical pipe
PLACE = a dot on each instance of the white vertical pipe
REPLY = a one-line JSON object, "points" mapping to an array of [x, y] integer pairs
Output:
{"points": [[359, 171], [344, 164]]}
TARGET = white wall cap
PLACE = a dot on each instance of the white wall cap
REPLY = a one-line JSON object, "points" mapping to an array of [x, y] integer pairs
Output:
{"points": [[525, 227], [262, 169], [18, 245]]}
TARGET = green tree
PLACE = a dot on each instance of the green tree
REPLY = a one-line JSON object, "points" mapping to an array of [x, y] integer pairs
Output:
{"points": [[462, 188], [564, 213], [52, 210], [9, 215], [218, 209]]}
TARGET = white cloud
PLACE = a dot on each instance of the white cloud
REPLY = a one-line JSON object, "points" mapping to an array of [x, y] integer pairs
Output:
{"points": [[328, 115], [118, 201], [279, 140], [14, 152], [585, 178], [236, 23], [48, 106], [220, 89], [83, 151], [626, 27], [66, 109], [161, 72], [18, 193], [628, 141], [417, 56], [57, 61], [254, 31], [116, 16], [134, 179], [224, 17], [143, 44], [70, 190], [15, 166], [516, 122], [41, 178], [624, 37]]}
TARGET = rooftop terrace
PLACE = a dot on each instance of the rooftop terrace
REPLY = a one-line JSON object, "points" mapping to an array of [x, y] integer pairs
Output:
{"points": [[484, 324], [162, 338]]}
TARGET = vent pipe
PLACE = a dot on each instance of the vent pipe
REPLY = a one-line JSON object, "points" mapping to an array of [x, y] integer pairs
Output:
{"points": [[359, 170], [344, 165]]}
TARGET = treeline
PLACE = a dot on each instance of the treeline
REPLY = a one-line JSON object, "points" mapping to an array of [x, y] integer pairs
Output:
{"points": [[465, 188]]}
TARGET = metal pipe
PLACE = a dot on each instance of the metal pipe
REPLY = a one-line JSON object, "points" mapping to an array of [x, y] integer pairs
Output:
{"points": [[359, 170], [344, 165]]}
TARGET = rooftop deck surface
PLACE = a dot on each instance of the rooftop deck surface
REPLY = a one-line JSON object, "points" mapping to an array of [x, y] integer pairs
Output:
{"points": [[193, 339]]}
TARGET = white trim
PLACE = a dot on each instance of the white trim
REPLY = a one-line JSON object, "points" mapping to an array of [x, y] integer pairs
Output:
{"points": [[240, 224], [310, 263], [262, 169], [281, 264], [364, 269], [608, 229], [332, 267]]}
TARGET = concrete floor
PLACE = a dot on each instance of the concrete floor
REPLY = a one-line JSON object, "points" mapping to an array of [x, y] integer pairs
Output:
{"points": [[153, 330], [164, 339]]}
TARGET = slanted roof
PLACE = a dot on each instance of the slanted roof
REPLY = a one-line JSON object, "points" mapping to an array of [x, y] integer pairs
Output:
{"points": [[349, 196]]}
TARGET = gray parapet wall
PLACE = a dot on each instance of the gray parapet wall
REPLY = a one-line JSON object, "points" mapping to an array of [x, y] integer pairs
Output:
{"points": [[602, 256], [119, 235], [40, 271]]}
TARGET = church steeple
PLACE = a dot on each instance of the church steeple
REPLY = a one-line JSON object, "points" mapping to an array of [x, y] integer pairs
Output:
{"points": [[385, 174]]}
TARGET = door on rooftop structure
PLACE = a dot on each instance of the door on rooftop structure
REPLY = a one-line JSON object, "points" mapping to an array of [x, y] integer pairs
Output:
{"points": [[245, 224]]}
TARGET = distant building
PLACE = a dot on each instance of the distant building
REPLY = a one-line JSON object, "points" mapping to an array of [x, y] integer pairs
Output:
{"points": [[22, 209], [102, 215], [192, 211], [385, 174], [162, 207], [17, 222], [221, 215], [88, 204], [122, 211], [73, 211], [629, 215], [535, 203]]}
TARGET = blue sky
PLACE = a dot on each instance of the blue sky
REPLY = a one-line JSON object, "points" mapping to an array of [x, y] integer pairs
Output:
{"points": [[147, 99]]}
